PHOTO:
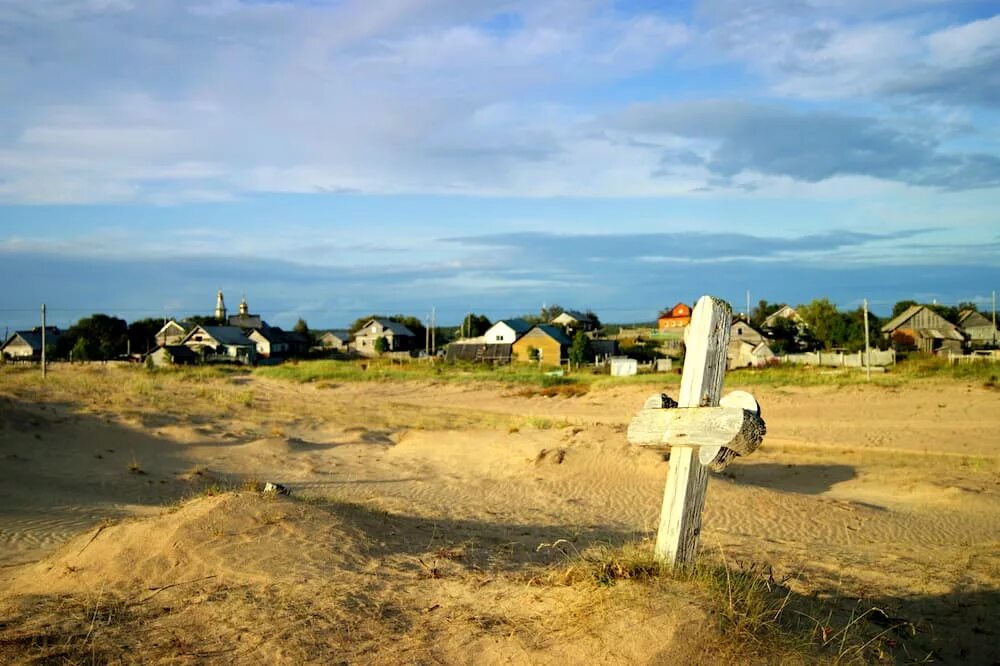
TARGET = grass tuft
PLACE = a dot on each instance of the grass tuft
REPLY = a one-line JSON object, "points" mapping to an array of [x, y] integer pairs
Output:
{"points": [[760, 617]]}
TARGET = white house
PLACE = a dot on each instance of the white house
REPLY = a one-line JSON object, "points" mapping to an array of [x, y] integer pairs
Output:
{"points": [[506, 331]]}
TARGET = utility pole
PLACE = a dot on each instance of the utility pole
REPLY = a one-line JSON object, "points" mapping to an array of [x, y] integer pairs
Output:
{"points": [[748, 306], [994, 317], [433, 330], [868, 351], [43, 340]]}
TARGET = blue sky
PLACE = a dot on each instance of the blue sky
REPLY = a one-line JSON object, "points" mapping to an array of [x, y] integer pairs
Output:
{"points": [[332, 159]]}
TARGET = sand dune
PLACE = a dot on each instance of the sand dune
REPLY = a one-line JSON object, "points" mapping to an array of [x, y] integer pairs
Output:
{"points": [[435, 496]]}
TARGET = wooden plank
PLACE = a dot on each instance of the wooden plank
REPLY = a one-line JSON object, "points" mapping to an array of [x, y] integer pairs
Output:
{"points": [[718, 459], [714, 427], [701, 386]]}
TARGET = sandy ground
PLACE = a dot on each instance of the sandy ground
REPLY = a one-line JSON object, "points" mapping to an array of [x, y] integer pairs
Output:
{"points": [[431, 507]]}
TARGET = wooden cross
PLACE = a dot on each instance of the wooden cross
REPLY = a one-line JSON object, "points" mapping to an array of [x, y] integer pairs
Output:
{"points": [[704, 433]]}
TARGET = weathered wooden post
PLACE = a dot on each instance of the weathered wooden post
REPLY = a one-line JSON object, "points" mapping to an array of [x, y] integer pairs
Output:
{"points": [[704, 433]]}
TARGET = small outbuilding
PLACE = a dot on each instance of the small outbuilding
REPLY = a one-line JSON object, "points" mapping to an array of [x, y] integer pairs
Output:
{"points": [[337, 339], [169, 355]]}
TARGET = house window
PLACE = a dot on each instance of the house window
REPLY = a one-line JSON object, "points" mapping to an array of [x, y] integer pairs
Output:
{"points": [[739, 331], [499, 338]]}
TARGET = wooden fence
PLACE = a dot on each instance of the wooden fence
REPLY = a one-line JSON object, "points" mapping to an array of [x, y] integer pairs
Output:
{"points": [[841, 359]]}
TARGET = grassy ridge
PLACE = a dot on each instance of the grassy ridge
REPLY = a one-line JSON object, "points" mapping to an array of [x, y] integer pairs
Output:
{"points": [[916, 369]]}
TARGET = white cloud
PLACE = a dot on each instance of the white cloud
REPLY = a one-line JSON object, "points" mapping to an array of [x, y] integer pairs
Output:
{"points": [[166, 101]]}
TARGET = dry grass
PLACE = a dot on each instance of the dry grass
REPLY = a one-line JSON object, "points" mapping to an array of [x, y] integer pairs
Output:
{"points": [[761, 620]]}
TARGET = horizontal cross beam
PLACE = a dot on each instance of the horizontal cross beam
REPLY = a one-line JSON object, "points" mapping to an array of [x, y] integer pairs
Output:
{"points": [[734, 428]]}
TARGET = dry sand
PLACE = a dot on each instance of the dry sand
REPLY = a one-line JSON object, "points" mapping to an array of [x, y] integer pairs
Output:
{"points": [[427, 511]]}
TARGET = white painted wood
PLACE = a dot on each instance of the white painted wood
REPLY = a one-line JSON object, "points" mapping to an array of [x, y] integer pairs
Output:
{"points": [[706, 339], [712, 428]]}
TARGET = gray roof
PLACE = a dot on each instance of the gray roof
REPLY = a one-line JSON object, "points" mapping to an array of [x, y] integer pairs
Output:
{"points": [[339, 333], [33, 338], [227, 335], [394, 326], [901, 318], [579, 316], [969, 318]]}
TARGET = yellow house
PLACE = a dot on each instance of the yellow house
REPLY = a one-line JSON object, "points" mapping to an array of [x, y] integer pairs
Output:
{"points": [[549, 342]]}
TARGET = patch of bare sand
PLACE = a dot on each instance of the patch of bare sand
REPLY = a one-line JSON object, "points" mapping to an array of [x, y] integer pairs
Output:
{"points": [[241, 577], [891, 495]]}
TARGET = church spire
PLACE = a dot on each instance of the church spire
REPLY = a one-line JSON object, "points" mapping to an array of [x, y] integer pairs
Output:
{"points": [[244, 308], [220, 308]]}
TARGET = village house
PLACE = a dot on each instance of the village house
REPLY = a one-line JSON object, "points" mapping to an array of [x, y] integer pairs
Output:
{"points": [[741, 330], [221, 343], [743, 354], [573, 321], [978, 329], [928, 331], [397, 336], [171, 333], [675, 318], [337, 339], [784, 312], [270, 341], [27, 345], [167, 355], [506, 331], [545, 344]]}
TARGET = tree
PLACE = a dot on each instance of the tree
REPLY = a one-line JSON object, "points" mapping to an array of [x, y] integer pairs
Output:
{"points": [[547, 314], [579, 351], [901, 306], [762, 311], [475, 325], [824, 321], [142, 334], [80, 350], [202, 320], [381, 345], [784, 336], [301, 326], [105, 337]]}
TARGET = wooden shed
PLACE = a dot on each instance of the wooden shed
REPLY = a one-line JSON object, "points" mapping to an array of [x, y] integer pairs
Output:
{"points": [[926, 329], [550, 343]]}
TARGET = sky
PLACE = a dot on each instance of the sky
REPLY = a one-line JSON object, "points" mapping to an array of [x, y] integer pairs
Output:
{"points": [[331, 159]]}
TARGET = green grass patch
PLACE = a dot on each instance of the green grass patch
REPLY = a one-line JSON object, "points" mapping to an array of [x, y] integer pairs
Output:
{"points": [[379, 370]]}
